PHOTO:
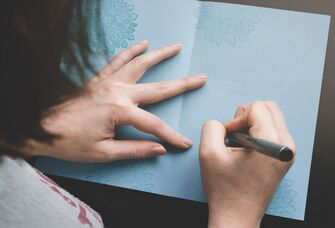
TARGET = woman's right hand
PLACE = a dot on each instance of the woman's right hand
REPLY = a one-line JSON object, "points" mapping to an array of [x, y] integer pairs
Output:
{"points": [[240, 182]]}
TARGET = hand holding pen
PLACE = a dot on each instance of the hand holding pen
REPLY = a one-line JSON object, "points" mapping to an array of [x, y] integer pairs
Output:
{"points": [[271, 144], [240, 181]]}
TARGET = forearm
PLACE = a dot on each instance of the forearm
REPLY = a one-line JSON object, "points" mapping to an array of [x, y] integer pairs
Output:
{"points": [[235, 214], [221, 221]]}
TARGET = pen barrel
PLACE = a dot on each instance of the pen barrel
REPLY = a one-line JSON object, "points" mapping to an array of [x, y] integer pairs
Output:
{"points": [[271, 149]]}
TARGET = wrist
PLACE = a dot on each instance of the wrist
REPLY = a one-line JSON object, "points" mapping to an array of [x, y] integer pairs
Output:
{"points": [[235, 213], [26, 149], [28, 146]]}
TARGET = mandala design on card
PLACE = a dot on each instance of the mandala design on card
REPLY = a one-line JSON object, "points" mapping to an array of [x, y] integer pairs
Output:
{"points": [[133, 175], [225, 24], [111, 24], [98, 31], [282, 203]]}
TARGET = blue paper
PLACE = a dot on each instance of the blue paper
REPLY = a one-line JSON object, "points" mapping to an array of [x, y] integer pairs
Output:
{"points": [[249, 53]]}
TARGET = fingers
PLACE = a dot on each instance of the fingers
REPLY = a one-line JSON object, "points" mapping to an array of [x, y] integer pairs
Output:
{"points": [[212, 139], [277, 115], [280, 124], [149, 123], [263, 120], [241, 110], [135, 69], [123, 58], [239, 122], [155, 92], [111, 150], [257, 118]]}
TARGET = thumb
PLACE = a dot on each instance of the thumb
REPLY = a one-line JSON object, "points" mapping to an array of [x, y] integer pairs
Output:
{"points": [[112, 150], [236, 124], [212, 140]]}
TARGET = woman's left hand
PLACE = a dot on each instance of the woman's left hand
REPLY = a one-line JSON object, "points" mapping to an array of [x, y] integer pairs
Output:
{"points": [[85, 125]]}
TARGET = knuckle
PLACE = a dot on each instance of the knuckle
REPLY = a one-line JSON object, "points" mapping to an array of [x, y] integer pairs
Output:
{"points": [[161, 85], [121, 107], [106, 89], [137, 152], [103, 155], [267, 134], [141, 61], [271, 104], [186, 83], [257, 104], [124, 56], [138, 60], [162, 52], [162, 88], [112, 88], [240, 110], [156, 124], [130, 52], [241, 107], [96, 79]]}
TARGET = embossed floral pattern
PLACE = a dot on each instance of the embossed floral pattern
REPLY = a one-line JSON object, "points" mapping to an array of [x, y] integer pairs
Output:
{"points": [[134, 175], [112, 25], [226, 24], [281, 204]]}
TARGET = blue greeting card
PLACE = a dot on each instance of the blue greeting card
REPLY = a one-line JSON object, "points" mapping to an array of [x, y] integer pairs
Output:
{"points": [[249, 53]]}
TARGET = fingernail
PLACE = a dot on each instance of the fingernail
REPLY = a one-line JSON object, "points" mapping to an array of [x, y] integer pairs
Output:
{"points": [[178, 45], [143, 42], [187, 142], [201, 77], [159, 149]]}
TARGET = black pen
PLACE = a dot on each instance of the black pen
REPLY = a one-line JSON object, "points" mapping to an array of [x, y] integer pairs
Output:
{"points": [[271, 149]]}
